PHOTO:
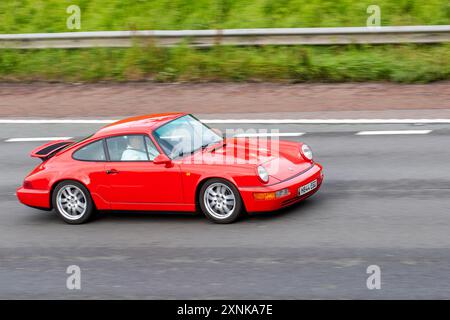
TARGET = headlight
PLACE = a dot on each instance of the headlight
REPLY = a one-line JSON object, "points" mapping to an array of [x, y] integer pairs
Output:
{"points": [[262, 173], [307, 152]]}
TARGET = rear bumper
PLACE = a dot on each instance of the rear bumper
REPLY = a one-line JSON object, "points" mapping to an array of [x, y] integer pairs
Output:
{"points": [[292, 184], [34, 198]]}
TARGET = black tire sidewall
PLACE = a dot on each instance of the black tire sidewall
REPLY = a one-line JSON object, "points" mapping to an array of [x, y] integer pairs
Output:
{"points": [[238, 205], [90, 205]]}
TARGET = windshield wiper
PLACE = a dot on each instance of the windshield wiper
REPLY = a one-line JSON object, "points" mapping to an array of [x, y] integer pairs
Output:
{"points": [[208, 145], [223, 144], [182, 154], [203, 147]]}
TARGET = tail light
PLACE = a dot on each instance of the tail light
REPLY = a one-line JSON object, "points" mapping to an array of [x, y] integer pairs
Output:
{"points": [[27, 184]]}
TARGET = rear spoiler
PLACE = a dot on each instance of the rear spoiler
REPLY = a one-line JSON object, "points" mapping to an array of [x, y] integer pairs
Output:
{"points": [[49, 149]]}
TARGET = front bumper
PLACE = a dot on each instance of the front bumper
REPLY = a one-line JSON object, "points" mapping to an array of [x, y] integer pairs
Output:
{"points": [[34, 198], [292, 184]]}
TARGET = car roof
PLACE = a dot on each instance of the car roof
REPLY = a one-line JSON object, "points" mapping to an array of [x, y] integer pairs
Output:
{"points": [[139, 124]]}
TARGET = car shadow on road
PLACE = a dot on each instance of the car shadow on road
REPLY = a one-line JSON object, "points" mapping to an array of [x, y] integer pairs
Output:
{"points": [[148, 216], [304, 208]]}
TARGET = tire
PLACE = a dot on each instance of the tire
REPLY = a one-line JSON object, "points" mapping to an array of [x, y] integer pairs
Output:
{"points": [[72, 202], [220, 201]]}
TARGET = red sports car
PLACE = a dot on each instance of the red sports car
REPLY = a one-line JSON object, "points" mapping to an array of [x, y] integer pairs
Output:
{"points": [[169, 162]]}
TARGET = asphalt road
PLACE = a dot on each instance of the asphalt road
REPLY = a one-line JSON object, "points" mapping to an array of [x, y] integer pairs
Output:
{"points": [[385, 202]]}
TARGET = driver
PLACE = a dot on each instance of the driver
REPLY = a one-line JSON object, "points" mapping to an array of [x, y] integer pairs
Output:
{"points": [[135, 150]]}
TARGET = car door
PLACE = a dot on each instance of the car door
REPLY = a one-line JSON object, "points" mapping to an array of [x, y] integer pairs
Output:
{"points": [[134, 179]]}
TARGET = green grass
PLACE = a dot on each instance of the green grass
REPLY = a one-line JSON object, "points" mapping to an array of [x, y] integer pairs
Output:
{"points": [[398, 63], [405, 63], [17, 16]]}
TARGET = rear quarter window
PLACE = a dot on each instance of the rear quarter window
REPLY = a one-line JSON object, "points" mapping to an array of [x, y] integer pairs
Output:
{"points": [[91, 152]]}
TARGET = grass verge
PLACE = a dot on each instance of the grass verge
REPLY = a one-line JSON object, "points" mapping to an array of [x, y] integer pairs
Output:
{"points": [[22, 16], [396, 63]]}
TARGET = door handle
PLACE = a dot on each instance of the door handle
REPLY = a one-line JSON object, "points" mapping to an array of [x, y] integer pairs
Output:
{"points": [[111, 171]]}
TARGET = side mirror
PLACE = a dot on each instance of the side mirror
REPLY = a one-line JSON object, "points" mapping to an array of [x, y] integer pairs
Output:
{"points": [[162, 159]]}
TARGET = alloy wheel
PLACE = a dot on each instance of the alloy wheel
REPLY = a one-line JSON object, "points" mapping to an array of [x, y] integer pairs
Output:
{"points": [[71, 202], [219, 200]]}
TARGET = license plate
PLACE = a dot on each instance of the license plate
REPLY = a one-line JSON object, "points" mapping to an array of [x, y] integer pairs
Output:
{"points": [[307, 188]]}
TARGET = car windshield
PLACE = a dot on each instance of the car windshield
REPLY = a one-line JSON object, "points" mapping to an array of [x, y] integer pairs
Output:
{"points": [[185, 135]]}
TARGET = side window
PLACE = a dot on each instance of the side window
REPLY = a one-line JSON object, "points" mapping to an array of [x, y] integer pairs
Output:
{"points": [[151, 148], [92, 152], [127, 148]]}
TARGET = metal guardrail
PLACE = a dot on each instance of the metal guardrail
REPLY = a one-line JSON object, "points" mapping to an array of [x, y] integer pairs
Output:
{"points": [[239, 37]]}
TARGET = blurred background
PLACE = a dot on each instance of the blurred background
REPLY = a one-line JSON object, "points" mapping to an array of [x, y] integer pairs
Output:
{"points": [[403, 63], [385, 200]]}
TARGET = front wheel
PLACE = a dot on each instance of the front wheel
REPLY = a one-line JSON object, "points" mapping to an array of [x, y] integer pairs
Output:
{"points": [[72, 202], [220, 201]]}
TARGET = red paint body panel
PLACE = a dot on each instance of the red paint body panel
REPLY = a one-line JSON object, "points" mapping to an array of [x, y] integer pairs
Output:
{"points": [[149, 186], [34, 198], [252, 205], [140, 183]]}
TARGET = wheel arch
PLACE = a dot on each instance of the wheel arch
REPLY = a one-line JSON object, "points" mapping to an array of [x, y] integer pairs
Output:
{"points": [[201, 183], [55, 184]]}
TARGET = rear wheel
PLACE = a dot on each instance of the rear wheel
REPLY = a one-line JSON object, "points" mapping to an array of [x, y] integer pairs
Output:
{"points": [[72, 202], [220, 201]]}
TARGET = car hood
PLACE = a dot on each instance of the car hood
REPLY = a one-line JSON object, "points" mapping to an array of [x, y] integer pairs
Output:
{"points": [[281, 158]]}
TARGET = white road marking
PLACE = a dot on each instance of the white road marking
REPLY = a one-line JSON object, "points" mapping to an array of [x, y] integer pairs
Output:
{"points": [[258, 134], [374, 133], [270, 134], [327, 121], [55, 121], [241, 121], [37, 139]]}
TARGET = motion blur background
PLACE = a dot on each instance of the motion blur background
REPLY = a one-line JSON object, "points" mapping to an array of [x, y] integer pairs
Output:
{"points": [[385, 200], [406, 63]]}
